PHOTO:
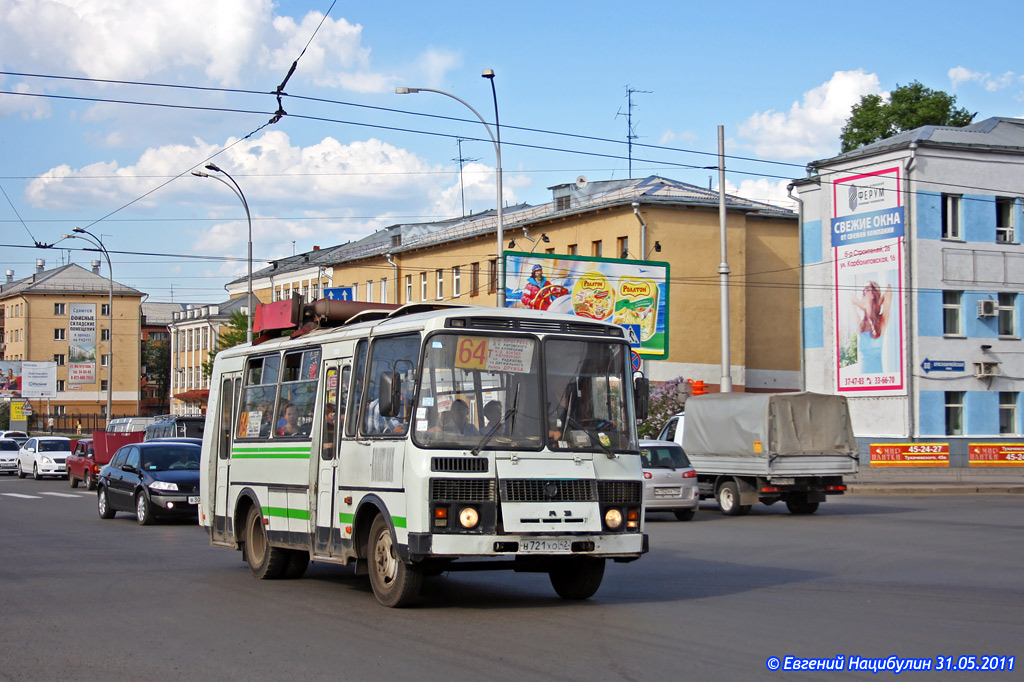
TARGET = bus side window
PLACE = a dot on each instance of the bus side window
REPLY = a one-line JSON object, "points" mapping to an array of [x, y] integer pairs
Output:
{"points": [[352, 413], [396, 357], [297, 393], [256, 413]]}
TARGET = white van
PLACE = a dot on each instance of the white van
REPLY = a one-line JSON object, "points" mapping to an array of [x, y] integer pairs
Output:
{"points": [[129, 424]]}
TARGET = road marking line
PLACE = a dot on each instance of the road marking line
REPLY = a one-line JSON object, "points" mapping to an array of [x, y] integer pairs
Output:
{"points": [[61, 495], [24, 497]]}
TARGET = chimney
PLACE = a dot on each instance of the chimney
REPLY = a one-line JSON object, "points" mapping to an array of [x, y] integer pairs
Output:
{"points": [[10, 275], [95, 267], [316, 248], [40, 264]]}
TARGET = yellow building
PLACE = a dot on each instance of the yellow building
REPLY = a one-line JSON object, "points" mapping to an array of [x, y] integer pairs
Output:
{"points": [[654, 219], [52, 315], [194, 333]]}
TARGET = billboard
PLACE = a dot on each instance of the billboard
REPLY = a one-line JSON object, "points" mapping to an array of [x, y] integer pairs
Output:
{"points": [[10, 378], [630, 293], [39, 379], [82, 343], [867, 240]]}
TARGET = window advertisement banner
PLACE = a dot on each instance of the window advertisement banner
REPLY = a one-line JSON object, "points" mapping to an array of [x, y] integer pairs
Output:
{"points": [[630, 293], [910, 454], [10, 378], [995, 454], [869, 318], [867, 207], [81, 343], [39, 379]]}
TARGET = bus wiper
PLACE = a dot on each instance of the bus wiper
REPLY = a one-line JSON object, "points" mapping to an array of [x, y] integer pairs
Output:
{"points": [[494, 429]]}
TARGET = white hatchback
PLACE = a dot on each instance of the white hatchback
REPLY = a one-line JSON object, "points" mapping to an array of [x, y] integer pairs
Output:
{"points": [[8, 455], [670, 483], [44, 456]]}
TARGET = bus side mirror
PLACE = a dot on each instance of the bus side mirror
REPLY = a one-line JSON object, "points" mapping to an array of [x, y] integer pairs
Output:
{"points": [[389, 392], [642, 397]]}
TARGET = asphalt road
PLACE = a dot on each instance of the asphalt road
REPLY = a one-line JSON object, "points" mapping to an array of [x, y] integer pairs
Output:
{"points": [[868, 576]]}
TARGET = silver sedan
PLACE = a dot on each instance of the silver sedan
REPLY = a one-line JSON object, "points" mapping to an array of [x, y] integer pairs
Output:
{"points": [[670, 483]]}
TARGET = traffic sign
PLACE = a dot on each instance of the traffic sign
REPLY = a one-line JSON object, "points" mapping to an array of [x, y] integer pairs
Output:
{"points": [[339, 294], [634, 360], [633, 334]]}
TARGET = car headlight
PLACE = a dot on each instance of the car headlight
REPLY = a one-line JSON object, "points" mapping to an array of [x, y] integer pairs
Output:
{"points": [[469, 517], [45, 460], [613, 518], [163, 485]]}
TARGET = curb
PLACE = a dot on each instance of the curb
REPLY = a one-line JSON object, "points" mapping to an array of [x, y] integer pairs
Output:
{"points": [[933, 489]]}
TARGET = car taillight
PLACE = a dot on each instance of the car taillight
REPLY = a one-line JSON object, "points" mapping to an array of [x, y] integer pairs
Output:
{"points": [[690, 474], [648, 474], [770, 488], [836, 488]]}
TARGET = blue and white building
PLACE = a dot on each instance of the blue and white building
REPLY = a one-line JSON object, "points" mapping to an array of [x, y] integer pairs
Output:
{"points": [[912, 281]]}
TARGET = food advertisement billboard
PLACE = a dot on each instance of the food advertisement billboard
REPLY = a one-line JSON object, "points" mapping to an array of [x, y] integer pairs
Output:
{"points": [[630, 293]]}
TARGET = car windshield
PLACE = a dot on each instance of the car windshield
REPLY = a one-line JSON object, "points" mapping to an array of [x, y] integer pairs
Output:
{"points": [[8, 444], [170, 458], [664, 456], [54, 445]]}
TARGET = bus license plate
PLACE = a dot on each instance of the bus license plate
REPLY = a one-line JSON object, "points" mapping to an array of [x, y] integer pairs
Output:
{"points": [[193, 499], [544, 545]]}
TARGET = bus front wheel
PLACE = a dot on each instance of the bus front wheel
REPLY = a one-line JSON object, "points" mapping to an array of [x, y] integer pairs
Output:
{"points": [[265, 562], [577, 578], [395, 583]]}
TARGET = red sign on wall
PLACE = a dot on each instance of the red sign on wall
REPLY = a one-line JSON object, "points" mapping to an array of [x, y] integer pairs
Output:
{"points": [[910, 454], [995, 454]]}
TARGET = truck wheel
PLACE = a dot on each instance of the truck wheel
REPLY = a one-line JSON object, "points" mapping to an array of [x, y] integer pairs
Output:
{"points": [[265, 562], [800, 505], [395, 583], [72, 481], [103, 505], [89, 483], [728, 497], [685, 514], [577, 578]]}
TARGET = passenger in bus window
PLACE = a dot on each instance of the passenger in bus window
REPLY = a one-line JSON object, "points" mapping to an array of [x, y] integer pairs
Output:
{"points": [[266, 419], [492, 413], [458, 419], [291, 426], [377, 424], [329, 429]]}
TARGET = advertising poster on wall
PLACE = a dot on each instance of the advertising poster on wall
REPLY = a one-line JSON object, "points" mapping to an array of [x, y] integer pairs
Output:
{"points": [[910, 455], [995, 454], [81, 343], [10, 378], [39, 380], [867, 245], [630, 293]]}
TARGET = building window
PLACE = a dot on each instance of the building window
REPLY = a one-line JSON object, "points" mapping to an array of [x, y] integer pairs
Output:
{"points": [[408, 288], [60, 359], [103, 384], [104, 335], [60, 411], [563, 203], [1004, 220], [623, 247], [492, 275], [596, 249], [383, 289], [423, 286], [355, 291], [305, 293], [206, 338], [951, 313], [951, 216], [105, 360], [440, 284], [457, 281], [316, 291], [1007, 308], [369, 290], [105, 309], [60, 334], [1008, 412], [954, 413], [60, 384], [60, 309], [475, 279]]}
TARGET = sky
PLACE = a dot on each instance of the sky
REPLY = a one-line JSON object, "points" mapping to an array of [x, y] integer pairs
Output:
{"points": [[106, 106]]}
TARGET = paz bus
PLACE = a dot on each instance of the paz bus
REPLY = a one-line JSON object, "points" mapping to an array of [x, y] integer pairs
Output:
{"points": [[409, 441]]}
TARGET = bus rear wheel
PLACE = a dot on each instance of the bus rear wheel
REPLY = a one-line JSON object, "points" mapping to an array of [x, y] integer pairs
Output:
{"points": [[577, 578], [265, 562], [395, 583]]}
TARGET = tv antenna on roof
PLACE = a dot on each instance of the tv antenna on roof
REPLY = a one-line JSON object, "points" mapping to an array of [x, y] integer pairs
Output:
{"points": [[630, 126]]}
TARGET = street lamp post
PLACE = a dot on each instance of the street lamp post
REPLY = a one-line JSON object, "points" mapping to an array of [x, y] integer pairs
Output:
{"points": [[98, 243], [233, 186], [496, 139]]}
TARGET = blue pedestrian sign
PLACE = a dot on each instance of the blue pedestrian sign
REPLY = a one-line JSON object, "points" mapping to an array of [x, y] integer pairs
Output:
{"points": [[632, 334], [943, 366], [339, 294]]}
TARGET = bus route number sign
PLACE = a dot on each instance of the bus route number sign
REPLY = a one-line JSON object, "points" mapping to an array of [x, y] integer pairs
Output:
{"points": [[494, 354]]}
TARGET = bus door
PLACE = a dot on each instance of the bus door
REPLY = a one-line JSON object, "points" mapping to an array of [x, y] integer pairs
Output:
{"points": [[230, 387], [336, 381]]}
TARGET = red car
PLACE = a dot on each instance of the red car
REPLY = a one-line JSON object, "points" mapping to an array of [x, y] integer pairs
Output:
{"points": [[82, 464]]}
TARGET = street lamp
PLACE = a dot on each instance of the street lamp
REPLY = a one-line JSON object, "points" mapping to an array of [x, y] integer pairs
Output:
{"points": [[233, 186], [98, 243], [489, 75]]}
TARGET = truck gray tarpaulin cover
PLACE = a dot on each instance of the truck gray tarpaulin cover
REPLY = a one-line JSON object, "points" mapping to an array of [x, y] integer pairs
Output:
{"points": [[768, 425]]}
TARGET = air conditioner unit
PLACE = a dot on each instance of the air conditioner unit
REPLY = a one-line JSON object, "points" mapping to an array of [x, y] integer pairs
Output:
{"points": [[987, 308], [1004, 235], [984, 370]]}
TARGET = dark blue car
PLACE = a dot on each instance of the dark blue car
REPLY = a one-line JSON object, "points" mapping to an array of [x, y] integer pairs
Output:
{"points": [[152, 479]]}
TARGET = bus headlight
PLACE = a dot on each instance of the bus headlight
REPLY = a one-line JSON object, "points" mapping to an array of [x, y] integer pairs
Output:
{"points": [[469, 517], [613, 518]]}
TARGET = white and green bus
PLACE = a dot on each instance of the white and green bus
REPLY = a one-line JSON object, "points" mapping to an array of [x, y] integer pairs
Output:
{"points": [[416, 440]]}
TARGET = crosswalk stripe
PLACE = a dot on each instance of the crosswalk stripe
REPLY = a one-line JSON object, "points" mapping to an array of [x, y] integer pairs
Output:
{"points": [[62, 495], [24, 497]]}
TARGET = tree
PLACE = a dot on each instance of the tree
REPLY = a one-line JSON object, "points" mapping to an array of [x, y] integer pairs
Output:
{"points": [[908, 107], [231, 334], [667, 399], [156, 355]]}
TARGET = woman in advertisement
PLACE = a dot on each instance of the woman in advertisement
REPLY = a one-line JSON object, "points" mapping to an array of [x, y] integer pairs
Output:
{"points": [[873, 308]]}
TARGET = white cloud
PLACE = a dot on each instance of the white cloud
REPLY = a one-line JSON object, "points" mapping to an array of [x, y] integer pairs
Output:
{"points": [[670, 137], [29, 107], [811, 127], [769, 191], [960, 75]]}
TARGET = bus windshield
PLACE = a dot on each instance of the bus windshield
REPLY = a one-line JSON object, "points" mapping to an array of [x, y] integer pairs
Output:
{"points": [[496, 391]]}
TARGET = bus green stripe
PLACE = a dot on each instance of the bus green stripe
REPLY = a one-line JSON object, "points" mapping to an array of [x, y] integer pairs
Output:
{"points": [[271, 453], [399, 521], [287, 513]]}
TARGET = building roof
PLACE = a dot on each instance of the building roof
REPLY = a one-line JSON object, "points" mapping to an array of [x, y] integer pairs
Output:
{"points": [[993, 134], [160, 314], [68, 279], [196, 312]]}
